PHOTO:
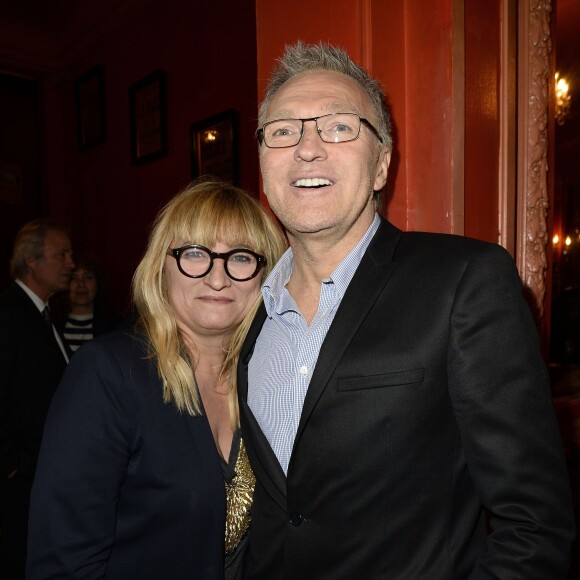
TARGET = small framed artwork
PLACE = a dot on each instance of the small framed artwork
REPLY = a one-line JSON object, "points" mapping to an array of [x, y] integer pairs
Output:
{"points": [[90, 105], [148, 112], [214, 148]]}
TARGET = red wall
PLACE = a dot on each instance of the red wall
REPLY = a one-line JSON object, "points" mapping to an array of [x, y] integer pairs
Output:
{"points": [[412, 57], [482, 70]]}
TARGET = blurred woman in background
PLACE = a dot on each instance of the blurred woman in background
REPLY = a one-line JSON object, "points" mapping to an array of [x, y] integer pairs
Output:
{"points": [[87, 312]]}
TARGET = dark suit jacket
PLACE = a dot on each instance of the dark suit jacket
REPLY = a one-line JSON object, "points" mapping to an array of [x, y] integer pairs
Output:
{"points": [[31, 366], [429, 402], [126, 488]]}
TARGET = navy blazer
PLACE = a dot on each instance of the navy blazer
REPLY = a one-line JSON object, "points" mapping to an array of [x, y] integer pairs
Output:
{"points": [[31, 366], [127, 488], [429, 402]]}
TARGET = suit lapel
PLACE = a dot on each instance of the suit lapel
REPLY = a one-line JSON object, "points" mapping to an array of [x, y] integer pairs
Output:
{"points": [[67, 348], [367, 284], [255, 439], [247, 350]]}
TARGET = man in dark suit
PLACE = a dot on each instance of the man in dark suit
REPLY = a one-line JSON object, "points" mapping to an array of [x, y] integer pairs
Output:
{"points": [[32, 361], [392, 391]]}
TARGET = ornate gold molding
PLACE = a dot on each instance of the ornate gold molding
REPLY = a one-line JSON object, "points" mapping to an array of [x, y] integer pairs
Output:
{"points": [[534, 82]]}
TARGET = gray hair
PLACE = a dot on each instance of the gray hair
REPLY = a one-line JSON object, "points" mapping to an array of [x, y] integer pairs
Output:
{"points": [[29, 244], [300, 57]]}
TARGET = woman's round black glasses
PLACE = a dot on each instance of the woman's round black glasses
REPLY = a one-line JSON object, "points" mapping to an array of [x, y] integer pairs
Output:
{"points": [[196, 261]]}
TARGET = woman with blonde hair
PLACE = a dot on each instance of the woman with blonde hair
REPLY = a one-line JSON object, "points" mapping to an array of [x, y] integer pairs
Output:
{"points": [[144, 429]]}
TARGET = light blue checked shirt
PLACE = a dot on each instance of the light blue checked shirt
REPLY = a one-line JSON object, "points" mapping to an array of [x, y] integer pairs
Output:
{"points": [[287, 348]]}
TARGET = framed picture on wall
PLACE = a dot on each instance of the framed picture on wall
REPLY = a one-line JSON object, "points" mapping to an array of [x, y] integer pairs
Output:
{"points": [[148, 112], [214, 147], [90, 105]]}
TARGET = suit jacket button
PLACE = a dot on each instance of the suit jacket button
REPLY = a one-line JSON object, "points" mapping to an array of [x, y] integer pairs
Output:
{"points": [[296, 519]]}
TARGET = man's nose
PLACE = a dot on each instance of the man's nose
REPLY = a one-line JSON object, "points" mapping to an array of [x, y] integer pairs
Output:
{"points": [[310, 146], [310, 130]]}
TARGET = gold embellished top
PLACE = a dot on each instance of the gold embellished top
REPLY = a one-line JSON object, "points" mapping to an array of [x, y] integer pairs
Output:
{"points": [[240, 481]]}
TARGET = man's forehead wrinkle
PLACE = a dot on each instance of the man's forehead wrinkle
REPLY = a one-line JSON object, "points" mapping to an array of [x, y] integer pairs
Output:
{"points": [[326, 109]]}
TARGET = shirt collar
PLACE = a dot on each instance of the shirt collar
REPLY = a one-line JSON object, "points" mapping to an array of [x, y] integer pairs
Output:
{"points": [[274, 287], [344, 272]]}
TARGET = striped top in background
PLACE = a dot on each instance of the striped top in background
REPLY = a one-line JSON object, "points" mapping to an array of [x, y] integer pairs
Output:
{"points": [[78, 330]]}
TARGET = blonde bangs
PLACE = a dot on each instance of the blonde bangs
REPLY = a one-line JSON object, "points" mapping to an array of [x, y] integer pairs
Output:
{"points": [[221, 216]]}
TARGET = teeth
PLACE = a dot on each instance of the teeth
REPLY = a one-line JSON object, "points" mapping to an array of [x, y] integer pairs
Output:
{"points": [[315, 182]]}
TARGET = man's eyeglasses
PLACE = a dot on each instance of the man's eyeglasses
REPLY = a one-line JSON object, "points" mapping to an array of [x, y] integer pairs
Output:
{"points": [[333, 128], [196, 261]]}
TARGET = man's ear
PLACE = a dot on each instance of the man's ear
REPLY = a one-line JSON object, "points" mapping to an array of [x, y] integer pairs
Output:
{"points": [[31, 262], [382, 169]]}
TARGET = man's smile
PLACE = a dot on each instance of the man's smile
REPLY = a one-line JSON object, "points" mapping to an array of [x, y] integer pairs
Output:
{"points": [[312, 182]]}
